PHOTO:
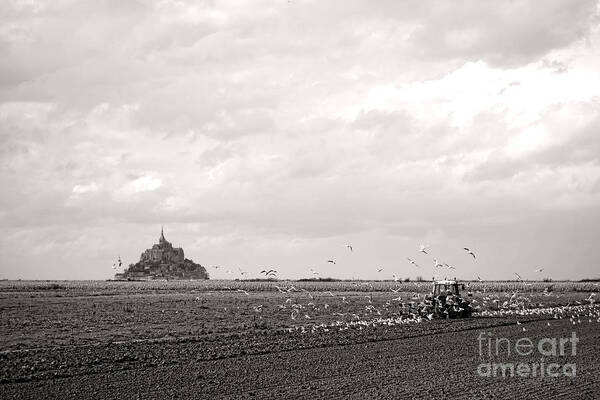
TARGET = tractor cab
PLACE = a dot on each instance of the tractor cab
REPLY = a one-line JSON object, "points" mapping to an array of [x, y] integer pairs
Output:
{"points": [[442, 288], [445, 301]]}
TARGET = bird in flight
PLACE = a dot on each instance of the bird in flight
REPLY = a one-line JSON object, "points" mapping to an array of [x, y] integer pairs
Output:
{"points": [[437, 264], [349, 246], [315, 273], [118, 263], [470, 252], [331, 261], [410, 260], [518, 276], [448, 266], [379, 269], [539, 270], [479, 278], [241, 272], [423, 249], [269, 273]]}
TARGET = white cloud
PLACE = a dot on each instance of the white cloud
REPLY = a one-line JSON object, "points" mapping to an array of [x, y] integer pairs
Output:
{"points": [[281, 129], [85, 188], [146, 183]]}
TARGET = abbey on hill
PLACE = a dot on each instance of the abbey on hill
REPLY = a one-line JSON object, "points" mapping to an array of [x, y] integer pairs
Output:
{"points": [[163, 261]]}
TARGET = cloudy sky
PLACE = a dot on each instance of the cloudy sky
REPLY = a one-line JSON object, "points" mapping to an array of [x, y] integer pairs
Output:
{"points": [[273, 133]]}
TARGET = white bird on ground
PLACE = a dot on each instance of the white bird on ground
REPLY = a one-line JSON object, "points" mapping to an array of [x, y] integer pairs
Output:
{"points": [[470, 252], [423, 249], [243, 291]]}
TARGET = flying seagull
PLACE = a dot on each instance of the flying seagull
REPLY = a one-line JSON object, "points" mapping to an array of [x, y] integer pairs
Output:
{"points": [[422, 249], [349, 246], [268, 273], [518, 276], [379, 269], [331, 261], [410, 260], [539, 270], [470, 252]]}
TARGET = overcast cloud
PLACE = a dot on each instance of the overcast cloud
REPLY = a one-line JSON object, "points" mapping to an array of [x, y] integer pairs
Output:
{"points": [[272, 133]]}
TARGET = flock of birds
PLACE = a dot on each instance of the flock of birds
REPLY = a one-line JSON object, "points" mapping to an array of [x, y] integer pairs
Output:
{"points": [[326, 311], [273, 274], [576, 314], [395, 309]]}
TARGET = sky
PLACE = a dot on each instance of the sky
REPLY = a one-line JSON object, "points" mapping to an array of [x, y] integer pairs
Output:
{"points": [[274, 133]]}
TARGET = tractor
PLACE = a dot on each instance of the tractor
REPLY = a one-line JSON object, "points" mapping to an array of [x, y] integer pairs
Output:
{"points": [[445, 301]]}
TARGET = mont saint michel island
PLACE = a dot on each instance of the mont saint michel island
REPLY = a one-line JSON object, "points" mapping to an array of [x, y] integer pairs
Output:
{"points": [[163, 262]]}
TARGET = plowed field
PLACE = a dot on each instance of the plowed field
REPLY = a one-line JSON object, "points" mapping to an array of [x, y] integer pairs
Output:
{"points": [[106, 341]]}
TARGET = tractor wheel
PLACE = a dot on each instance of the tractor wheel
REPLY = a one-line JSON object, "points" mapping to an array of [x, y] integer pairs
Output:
{"points": [[466, 312]]}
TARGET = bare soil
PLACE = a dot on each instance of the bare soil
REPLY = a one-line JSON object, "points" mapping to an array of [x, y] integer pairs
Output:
{"points": [[103, 343]]}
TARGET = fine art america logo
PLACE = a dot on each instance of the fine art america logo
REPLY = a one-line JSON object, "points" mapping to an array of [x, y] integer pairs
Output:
{"points": [[505, 358]]}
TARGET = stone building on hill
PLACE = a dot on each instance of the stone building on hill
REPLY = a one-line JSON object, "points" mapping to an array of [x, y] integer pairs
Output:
{"points": [[163, 261]]}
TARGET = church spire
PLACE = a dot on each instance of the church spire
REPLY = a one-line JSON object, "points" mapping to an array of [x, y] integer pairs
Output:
{"points": [[162, 235]]}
